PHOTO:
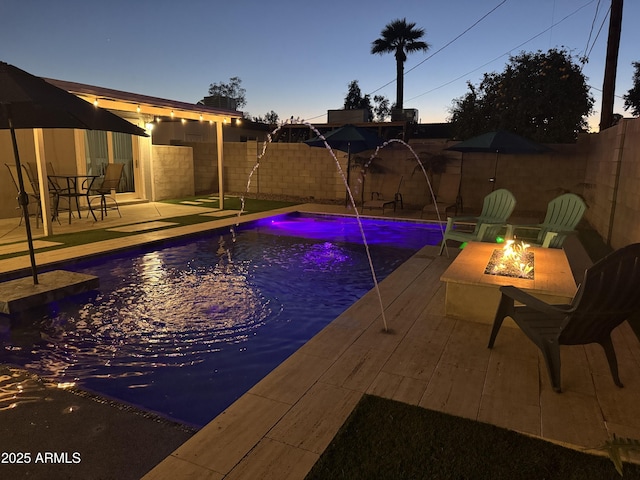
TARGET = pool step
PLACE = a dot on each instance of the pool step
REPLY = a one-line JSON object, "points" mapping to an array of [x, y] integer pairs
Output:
{"points": [[19, 295]]}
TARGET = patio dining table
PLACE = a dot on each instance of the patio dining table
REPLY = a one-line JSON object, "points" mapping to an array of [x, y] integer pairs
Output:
{"points": [[73, 187]]}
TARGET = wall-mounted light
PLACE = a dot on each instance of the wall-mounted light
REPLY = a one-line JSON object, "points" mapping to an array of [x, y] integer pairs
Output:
{"points": [[138, 108], [149, 126], [238, 121], [172, 114], [95, 102], [183, 120], [201, 117]]}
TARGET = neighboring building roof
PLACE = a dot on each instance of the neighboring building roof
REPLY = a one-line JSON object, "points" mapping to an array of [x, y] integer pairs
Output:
{"points": [[143, 104]]}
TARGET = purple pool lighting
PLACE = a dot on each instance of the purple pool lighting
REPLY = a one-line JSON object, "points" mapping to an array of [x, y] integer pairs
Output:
{"points": [[186, 328]]}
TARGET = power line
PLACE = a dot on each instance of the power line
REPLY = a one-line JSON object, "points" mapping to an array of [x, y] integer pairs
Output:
{"points": [[587, 55], [443, 47], [506, 53], [593, 22]]}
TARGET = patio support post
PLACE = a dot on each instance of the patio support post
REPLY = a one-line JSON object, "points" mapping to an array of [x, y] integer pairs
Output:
{"points": [[219, 148], [43, 183]]}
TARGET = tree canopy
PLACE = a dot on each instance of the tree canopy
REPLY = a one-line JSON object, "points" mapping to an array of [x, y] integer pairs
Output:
{"points": [[399, 38], [379, 111], [541, 96], [632, 98], [233, 90]]}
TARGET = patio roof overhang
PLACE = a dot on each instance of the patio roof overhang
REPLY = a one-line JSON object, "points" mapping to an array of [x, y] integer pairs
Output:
{"points": [[147, 108]]}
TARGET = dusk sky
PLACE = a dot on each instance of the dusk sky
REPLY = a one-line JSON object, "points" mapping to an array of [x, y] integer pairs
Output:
{"points": [[298, 58]]}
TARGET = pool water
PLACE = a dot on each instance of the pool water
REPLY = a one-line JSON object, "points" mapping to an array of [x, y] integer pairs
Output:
{"points": [[186, 328]]}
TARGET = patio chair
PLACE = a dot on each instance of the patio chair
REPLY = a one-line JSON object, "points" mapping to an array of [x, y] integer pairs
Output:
{"points": [[447, 195], [30, 188], [110, 181], [56, 190], [563, 215], [609, 295], [496, 209], [389, 196]]}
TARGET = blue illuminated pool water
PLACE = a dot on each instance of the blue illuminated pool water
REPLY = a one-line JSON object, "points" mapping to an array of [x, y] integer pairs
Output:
{"points": [[187, 328]]}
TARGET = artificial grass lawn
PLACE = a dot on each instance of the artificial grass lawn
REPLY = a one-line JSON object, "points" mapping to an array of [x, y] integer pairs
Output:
{"points": [[84, 237], [385, 439]]}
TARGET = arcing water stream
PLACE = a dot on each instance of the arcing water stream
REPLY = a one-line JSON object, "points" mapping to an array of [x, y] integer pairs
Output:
{"points": [[348, 188]]}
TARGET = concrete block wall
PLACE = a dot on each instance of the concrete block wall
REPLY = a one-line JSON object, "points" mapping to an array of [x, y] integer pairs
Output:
{"points": [[172, 172], [533, 179], [291, 169], [613, 183], [627, 212], [604, 168], [205, 167]]}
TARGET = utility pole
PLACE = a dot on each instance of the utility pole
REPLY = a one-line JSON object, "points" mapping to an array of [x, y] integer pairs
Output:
{"points": [[611, 65]]}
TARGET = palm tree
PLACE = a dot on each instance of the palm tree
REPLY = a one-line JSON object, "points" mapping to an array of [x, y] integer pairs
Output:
{"points": [[401, 38]]}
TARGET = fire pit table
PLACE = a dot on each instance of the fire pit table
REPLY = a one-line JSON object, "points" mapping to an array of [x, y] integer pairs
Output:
{"points": [[472, 294]]}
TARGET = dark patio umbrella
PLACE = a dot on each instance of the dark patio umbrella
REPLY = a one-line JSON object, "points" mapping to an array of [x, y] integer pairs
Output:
{"points": [[30, 102], [499, 142], [350, 139]]}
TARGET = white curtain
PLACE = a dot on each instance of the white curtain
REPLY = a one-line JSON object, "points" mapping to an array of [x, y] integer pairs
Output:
{"points": [[97, 155]]}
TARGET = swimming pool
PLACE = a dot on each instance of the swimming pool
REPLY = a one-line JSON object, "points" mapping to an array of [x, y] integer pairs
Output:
{"points": [[186, 328]]}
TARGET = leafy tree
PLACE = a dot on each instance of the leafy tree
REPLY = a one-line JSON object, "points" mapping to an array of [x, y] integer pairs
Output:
{"points": [[381, 108], [632, 98], [270, 118], [400, 38], [542, 96], [379, 111], [233, 89], [354, 99]]}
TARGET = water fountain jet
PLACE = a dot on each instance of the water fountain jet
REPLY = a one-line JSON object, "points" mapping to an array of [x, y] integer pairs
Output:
{"points": [[351, 200]]}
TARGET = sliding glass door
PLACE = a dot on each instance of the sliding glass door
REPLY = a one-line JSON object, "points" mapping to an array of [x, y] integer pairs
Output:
{"points": [[102, 148]]}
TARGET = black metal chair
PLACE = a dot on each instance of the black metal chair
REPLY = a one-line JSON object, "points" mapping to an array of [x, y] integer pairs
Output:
{"points": [[609, 295], [110, 181], [56, 190], [30, 188]]}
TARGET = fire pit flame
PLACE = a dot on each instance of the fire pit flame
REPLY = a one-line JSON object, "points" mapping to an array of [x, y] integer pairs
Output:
{"points": [[513, 260]]}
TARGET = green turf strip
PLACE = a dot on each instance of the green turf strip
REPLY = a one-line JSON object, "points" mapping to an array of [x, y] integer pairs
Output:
{"points": [[96, 235], [384, 439]]}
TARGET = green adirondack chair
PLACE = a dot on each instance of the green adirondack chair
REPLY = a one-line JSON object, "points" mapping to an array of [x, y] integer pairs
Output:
{"points": [[563, 215], [496, 209]]}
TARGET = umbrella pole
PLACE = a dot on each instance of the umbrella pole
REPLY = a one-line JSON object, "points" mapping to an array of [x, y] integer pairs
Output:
{"points": [[23, 199], [495, 173]]}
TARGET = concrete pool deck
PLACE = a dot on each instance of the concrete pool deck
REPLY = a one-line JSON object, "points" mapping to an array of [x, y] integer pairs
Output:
{"points": [[283, 424]]}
